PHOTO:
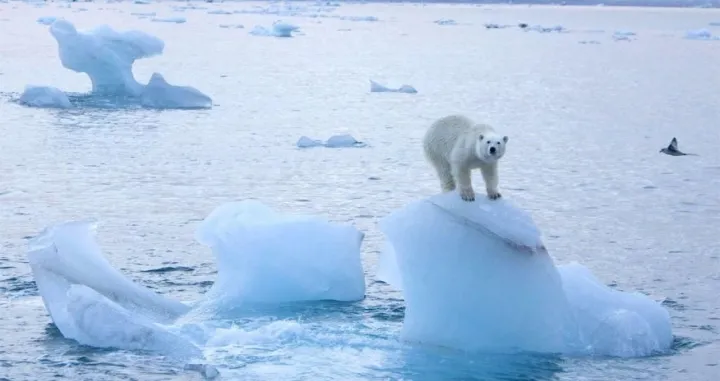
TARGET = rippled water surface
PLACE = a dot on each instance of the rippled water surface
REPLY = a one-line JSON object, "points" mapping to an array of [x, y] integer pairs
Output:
{"points": [[586, 115]]}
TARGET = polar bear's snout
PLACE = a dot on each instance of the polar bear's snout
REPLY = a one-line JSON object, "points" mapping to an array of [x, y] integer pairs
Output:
{"points": [[493, 150]]}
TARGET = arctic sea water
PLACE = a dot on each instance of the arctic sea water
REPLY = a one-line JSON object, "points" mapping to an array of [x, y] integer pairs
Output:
{"points": [[587, 94]]}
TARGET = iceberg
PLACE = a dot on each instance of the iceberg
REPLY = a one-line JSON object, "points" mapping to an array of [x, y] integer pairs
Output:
{"points": [[378, 88], [265, 257], [477, 277], [45, 97], [93, 303], [107, 57]]}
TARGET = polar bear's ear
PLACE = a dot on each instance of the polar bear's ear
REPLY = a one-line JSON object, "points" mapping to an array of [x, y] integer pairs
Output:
{"points": [[505, 139], [481, 137]]}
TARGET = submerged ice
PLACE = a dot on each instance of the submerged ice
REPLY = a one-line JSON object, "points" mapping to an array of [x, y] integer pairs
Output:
{"points": [[473, 274], [107, 57]]}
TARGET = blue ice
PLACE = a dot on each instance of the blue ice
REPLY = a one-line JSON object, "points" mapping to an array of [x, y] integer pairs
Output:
{"points": [[107, 57], [378, 88], [477, 276]]}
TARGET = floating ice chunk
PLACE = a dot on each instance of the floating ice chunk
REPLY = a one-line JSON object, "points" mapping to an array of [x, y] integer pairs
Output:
{"points": [[700, 34], [44, 96], [335, 141], [305, 142], [267, 257], [358, 18], [441, 247], [101, 323], [345, 140], [236, 26], [378, 88], [47, 20], [142, 1], [208, 372], [543, 29], [143, 14], [174, 19], [472, 275], [105, 55], [160, 94], [279, 29], [445, 22], [622, 35], [91, 302], [614, 323], [219, 12]]}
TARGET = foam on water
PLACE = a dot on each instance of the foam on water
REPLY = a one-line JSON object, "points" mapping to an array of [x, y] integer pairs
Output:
{"points": [[472, 274]]}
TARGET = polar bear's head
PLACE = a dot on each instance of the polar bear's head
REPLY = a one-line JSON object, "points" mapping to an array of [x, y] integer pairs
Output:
{"points": [[490, 147]]}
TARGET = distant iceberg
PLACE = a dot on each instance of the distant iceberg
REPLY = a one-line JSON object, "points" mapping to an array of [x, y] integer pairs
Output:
{"points": [[107, 57], [700, 34], [335, 141], [476, 276], [378, 88], [47, 20], [279, 29], [173, 19]]}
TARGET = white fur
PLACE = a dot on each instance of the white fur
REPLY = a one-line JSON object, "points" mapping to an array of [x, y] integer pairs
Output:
{"points": [[455, 145]]}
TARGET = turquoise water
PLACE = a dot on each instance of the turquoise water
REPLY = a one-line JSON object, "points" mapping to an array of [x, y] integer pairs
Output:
{"points": [[586, 122]]}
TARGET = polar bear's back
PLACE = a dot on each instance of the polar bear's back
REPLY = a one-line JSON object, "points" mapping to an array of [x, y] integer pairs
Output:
{"points": [[447, 132]]}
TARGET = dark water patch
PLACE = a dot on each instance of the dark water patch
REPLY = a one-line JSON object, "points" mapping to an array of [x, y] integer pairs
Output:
{"points": [[393, 313], [670, 303], [17, 285], [203, 284], [168, 269]]}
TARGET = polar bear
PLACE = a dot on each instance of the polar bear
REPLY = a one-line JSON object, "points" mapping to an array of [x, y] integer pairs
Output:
{"points": [[455, 145]]}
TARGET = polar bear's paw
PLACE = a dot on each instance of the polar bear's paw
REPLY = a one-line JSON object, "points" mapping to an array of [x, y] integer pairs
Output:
{"points": [[494, 195], [467, 194]]}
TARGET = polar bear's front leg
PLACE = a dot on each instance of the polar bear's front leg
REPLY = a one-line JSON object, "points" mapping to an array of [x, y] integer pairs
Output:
{"points": [[489, 172], [461, 174]]}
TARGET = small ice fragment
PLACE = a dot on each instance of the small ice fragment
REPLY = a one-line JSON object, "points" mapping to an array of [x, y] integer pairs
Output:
{"points": [[175, 19], [305, 142], [208, 372], [47, 20], [622, 35], [378, 88], [700, 34], [45, 97], [345, 140], [445, 22]]}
